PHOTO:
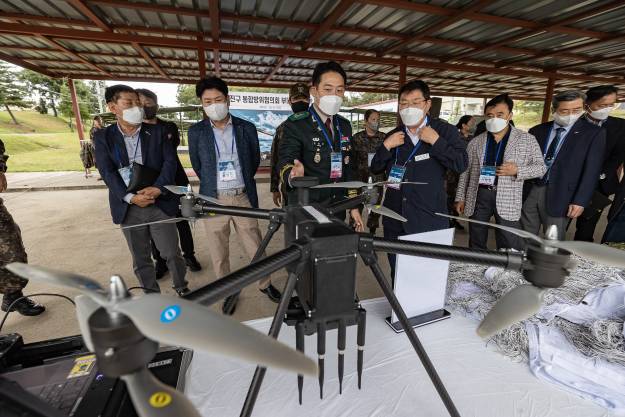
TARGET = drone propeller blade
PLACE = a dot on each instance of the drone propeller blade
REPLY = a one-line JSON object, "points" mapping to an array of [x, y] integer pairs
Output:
{"points": [[399, 183], [85, 307], [175, 321], [209, 199], [599, 253], [518, 304], [384, 211], [60, 278], [152, 398], [513, 230], [346, 184], [177, 189], [173, 220]]}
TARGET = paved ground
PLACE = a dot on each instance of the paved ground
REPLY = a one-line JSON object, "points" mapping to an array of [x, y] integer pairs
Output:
{"points": [[71, 229]]}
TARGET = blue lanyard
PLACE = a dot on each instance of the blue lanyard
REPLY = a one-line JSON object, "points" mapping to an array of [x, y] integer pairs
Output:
{"points": [[496, 155], [234, 138], [323, 129], [414, 150], [119, 157], [558, 145]]}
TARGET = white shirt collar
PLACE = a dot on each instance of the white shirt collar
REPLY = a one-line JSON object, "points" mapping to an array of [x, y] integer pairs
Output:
{"points": [[228, 123], [132, 135], [414, 137]]}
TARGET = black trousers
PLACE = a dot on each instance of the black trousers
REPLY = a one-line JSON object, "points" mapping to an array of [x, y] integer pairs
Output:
{"points": [[485, 208], [186, 242], [586, 224]]}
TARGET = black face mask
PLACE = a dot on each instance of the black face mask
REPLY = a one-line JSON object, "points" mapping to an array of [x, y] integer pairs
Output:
{"points": [[150, 112], [299, 106]]}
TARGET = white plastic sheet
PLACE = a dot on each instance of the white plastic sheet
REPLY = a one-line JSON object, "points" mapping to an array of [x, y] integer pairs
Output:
{"points": [[481, 382]]}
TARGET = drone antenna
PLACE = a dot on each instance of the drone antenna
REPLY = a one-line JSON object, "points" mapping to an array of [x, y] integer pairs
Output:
{"points": [[299, 345], [321, 351], [360, 339], [341, 348]]}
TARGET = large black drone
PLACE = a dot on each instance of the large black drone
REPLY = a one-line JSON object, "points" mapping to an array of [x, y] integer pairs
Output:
{"points": [[321, 256]]}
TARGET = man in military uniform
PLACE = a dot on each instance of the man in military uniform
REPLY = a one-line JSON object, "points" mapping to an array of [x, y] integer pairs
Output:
{"points": [[12, 250], [317, 143], [299, 99], [366, 143]]}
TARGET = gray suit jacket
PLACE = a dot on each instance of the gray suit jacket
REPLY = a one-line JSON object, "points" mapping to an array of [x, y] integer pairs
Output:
{"points": [[523, 150]]}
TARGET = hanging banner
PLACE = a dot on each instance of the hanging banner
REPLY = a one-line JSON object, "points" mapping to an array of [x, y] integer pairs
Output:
{"points": [[265, 110]]}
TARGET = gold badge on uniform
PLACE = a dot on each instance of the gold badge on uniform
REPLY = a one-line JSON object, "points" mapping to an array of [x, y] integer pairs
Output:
{"points": [[317, 157], [347, 160]]}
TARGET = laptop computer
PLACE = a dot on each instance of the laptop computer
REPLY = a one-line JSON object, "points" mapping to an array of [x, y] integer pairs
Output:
{"points": [[74, 387]]}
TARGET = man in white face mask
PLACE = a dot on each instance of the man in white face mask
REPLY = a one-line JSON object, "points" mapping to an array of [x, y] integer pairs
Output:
{"points": [[500, 161], [136, 161], [573, 152], [366, 143], [422, 149], [318, 143], [600, 101], [225, 155]]}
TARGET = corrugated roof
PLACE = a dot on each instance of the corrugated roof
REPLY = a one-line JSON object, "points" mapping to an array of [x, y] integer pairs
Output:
{"points": [[464, 47]]}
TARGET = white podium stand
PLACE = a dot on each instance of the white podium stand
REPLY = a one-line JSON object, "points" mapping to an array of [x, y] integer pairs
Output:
{"points": [[421, 283]]}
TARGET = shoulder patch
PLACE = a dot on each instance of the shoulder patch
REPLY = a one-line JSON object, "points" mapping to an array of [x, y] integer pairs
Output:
{"points": [[299, 116]]}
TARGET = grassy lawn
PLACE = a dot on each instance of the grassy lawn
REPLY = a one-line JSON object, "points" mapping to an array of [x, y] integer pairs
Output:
{"points": [[43, 143]]}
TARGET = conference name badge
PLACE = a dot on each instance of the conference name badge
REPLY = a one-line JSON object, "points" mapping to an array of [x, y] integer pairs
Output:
{"points": [[396, 176], [487, 175], [336, 165]]}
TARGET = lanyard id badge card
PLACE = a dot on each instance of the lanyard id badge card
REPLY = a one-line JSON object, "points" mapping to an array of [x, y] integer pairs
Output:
{"points": [[227, 171], [488, 175], [336, 158], [126, 172], [396, 176], [336, 165]]}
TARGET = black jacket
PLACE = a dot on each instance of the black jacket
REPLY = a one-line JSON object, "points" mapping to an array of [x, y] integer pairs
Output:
{"points": [[576, 169], [418, 203], [614, 154], [158, 154], [173, 134]]}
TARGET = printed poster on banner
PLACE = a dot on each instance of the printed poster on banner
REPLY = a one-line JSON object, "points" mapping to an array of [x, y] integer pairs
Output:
{"points": [[265, 110]]}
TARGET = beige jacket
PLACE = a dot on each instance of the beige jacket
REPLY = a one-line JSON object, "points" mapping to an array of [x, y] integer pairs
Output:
{"points": [[524, 151]]}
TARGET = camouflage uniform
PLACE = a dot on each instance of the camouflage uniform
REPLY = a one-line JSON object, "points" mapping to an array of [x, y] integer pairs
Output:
{"points": [[11, 246], [275, 172], [363, 146]]}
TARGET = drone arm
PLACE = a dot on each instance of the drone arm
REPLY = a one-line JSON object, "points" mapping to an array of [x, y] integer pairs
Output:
{"points": [[349, 203], [234, 282], [253, 213], [508, 260]]}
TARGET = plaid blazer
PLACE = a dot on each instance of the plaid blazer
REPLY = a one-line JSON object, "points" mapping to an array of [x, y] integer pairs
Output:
{"points": [[522, 149]]}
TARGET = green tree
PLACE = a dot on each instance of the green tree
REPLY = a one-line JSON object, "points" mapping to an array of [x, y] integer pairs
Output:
{"points": [[356, 99], [87, 100], [12, 91], [185, 95], [49, 89]]}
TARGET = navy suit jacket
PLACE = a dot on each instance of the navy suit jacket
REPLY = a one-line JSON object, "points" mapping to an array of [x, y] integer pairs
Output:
{"points": [[576, 169], [158, 153], [418, 203], [614, 154], [204, 157]]}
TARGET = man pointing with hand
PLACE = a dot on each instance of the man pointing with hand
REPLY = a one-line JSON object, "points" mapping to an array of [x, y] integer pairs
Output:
{"points": [[317, 142]]}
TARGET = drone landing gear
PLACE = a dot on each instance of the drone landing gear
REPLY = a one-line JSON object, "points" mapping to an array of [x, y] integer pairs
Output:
{"points": [[274, 331], [230, 303], [370, 259]]}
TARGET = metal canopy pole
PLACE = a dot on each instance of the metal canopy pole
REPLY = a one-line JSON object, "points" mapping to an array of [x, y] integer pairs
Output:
{"points": [[76, 109], [548, 97]]}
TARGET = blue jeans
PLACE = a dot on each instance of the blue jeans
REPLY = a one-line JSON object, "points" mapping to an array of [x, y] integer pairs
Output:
{"points": [[615, 231]]}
